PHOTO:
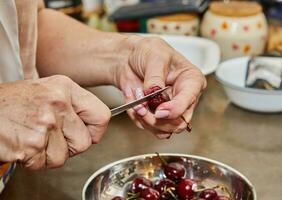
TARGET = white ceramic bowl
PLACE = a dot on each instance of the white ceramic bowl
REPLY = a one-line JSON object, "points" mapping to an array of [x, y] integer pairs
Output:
{"points": [[203, 53], [232, 73]]}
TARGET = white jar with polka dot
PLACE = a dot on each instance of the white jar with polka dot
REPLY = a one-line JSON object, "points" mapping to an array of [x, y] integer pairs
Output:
{"points": [[176, 24], [239, 28]]}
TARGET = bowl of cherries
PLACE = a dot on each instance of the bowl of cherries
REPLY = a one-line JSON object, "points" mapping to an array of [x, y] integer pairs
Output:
{"points": [[168, 177]]}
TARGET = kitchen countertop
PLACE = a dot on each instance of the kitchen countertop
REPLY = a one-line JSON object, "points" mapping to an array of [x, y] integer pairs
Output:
{"points": [[249, 142]]}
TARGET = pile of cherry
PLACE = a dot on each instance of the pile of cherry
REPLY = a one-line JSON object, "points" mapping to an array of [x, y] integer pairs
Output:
{"points": [[175, 186]]}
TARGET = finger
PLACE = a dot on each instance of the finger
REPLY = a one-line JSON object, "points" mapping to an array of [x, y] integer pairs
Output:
{"points": [[132, 90], [164, 125], [76, 133], [37, 162], [57, 150], [188, 85], [157, 133], [140, 109], [163, 136], [132, 114], [93, 112], [156, 70], [188, 114], [129, 96]]}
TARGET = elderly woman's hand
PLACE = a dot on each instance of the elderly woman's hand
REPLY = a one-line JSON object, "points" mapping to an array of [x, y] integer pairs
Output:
{"points": [[152, 62], [43, 122]]}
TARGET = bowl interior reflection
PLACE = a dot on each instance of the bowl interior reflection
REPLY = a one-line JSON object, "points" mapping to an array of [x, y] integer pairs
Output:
{"points": [[115, 178]]}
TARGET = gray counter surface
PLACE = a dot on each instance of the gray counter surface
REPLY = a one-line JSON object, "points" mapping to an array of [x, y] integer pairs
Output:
{"points": [[249, 142]]}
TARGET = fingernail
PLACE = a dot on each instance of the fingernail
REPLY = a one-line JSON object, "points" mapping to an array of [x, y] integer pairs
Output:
{"points": [[139, 93], [163, 136], [138, 107], [160, 114], [142, 112], [128, 92]]}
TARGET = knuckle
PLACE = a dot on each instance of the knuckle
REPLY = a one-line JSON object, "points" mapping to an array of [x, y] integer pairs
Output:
{"points": [[38, 140], [60, 79], [47, 120], [84, 144], [156, 40], [59, 103], [96, 140], [36, 162], [96, 132], [60, 162], [34, 166], [105, 117], [58, 100], [19, 156]]}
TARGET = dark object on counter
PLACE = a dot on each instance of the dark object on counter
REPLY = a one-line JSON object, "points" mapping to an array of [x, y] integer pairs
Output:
{"points": [[72, 8], [128, 26], [161, 7], [274, 14], [264, 73]]}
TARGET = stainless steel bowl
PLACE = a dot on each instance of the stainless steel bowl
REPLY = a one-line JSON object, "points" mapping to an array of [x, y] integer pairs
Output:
{"points": [[114, 179]]}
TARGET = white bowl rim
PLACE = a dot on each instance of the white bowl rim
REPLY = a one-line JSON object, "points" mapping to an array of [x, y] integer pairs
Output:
{"points": [[243, 89], [168, 154]]}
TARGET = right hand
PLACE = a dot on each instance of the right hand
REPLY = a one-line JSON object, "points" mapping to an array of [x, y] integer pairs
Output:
{"points": [[43, 122]]}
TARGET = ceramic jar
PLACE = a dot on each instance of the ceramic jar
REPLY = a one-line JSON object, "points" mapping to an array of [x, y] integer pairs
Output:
{"points": [[239, 28], [178, 24]]}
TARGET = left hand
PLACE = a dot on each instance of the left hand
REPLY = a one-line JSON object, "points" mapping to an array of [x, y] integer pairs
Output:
{"points": [[152, 62]]}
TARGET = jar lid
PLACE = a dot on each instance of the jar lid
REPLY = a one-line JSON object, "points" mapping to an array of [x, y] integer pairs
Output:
{"points": [[177, 17], [235, 8]]}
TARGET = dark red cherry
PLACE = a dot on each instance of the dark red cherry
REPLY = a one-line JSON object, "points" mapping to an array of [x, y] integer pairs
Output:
{"points": [[118, 198], [139, 184], [208, 194], [185, 189], [174, 171], [222, 198], [163, 185], [150, 194], [155, 101]]}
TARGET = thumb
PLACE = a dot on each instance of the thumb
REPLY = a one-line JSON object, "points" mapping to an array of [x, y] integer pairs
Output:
{"points": [[156, 71]]}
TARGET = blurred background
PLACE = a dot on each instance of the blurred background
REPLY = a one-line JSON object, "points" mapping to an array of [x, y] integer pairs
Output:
{"points": [[241, 41], [189, 18]]}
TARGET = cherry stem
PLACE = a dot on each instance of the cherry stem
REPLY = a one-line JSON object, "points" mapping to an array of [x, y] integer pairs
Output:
{"points": [[225, 189], [203, 189], [222, 187], [132, 195], [171, 193], [162, 160]]}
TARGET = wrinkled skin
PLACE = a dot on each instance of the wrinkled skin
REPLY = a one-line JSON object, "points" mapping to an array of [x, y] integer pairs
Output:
{"points": [[152, 62], [43, 122]]}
